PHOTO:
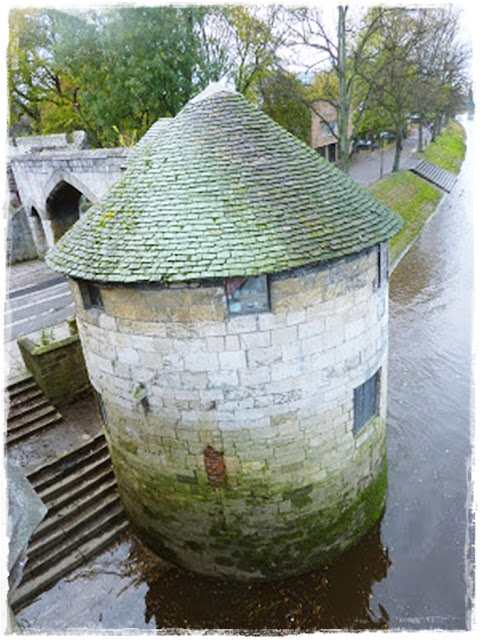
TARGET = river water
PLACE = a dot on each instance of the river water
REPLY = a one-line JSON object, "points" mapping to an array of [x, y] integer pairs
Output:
{"points": [[411, 571]]}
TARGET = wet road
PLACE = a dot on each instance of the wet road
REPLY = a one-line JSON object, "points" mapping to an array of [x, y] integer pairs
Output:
{"points": [[410, 571]]}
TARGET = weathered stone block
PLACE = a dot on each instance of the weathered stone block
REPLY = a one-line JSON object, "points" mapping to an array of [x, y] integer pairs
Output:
{"points": [[58, 367]]}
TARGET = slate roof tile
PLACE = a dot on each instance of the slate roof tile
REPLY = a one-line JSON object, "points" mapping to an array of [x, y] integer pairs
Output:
{"points": [[221, 190]]}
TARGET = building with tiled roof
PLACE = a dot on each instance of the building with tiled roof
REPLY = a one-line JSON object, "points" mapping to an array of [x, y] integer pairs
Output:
{"points": [[232, 295], [222, 190]]}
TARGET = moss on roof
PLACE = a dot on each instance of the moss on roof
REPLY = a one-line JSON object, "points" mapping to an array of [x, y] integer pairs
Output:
{"points": [[220, 191]]}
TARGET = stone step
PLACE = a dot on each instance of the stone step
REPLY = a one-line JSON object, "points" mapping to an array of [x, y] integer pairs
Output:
{"points": [[32, 424], [59, 547], [32, 392], [70, 510], [73, 526], [67, 483], [69, 462], [82, 488], [20, 385], [29, 590], [27, 404]]}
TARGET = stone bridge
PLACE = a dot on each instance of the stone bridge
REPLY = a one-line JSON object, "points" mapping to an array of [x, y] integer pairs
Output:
{"points": [[56, 179]]}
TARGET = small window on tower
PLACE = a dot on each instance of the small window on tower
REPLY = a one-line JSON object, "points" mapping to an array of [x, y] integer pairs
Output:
{"points": [[247, 295], [365, 402], [382, 265], [91, 295]]}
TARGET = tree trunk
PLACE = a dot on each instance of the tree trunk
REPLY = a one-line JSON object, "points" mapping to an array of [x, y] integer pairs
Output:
{"points": [[420, 138], [342, 116], [398, 153]]}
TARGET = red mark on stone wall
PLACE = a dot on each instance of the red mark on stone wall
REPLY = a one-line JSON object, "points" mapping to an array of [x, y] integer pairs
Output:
{"points": [[214, 466]]}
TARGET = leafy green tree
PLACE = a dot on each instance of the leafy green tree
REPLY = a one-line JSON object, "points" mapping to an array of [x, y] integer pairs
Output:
{"points": [[112, 72], [256, 36], [284, 98], [41, 93]]}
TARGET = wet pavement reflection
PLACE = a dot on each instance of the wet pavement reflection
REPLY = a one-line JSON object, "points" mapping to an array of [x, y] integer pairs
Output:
{"points": [[409, 572]]}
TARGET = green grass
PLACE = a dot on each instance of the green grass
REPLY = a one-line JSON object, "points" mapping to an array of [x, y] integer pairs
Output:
{"points": [[413, 199], [448, 150]]}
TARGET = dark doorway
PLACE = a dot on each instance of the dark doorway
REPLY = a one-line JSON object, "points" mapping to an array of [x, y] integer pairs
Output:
{"points": [[332, 152]]}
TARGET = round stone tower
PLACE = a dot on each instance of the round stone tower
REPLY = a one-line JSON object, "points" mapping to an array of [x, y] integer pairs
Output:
{"points": [[232, 295]]}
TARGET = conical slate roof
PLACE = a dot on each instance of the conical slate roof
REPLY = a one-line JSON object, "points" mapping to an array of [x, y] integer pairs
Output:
{"points": [[220, 191]]}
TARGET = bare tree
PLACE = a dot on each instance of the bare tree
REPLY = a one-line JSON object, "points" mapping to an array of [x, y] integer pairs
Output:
{"points": [[340, 56], [441, 61], [417, 69]]}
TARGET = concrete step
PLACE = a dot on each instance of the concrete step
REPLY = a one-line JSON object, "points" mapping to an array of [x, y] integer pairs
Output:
{"points": [[17, 386], [31, 417], [70, 510], [84, 516], [29, 590]]}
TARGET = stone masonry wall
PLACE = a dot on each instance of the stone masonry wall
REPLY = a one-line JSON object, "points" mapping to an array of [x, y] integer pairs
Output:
{"points": [[20, 244], [91, 171], [231, 437], [58, 367]]}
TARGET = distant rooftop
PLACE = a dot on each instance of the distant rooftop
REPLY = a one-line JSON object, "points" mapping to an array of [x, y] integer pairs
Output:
{"points": [[221, 191]]}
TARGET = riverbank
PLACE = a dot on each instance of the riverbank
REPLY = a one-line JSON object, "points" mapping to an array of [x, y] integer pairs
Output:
{"points": [[414, 199]]}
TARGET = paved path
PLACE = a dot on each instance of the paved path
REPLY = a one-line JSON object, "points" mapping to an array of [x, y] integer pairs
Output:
{"points": [[366, 166], [36, 298]]}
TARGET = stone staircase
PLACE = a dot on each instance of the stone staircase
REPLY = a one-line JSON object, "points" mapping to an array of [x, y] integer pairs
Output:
{"points": [[29, 410], [84, 516]]}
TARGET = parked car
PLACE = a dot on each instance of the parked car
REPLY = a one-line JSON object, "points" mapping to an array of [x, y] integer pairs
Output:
{"points": [[361, 145], [388, 135]]}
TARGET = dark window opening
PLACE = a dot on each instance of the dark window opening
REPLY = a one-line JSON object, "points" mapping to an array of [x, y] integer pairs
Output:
{"points": [[247, 295], [382, 265], [91, 295], [365, 402]]}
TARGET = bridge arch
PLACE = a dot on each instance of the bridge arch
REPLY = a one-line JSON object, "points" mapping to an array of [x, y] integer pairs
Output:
{"points": [[67, 197], [38, 232]]}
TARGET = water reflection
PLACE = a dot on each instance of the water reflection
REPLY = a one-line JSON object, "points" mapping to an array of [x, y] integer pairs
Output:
{"points": [[338, 597]]}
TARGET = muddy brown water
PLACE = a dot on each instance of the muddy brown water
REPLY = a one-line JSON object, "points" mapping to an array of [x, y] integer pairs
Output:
{"points": [[411, 571]]}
